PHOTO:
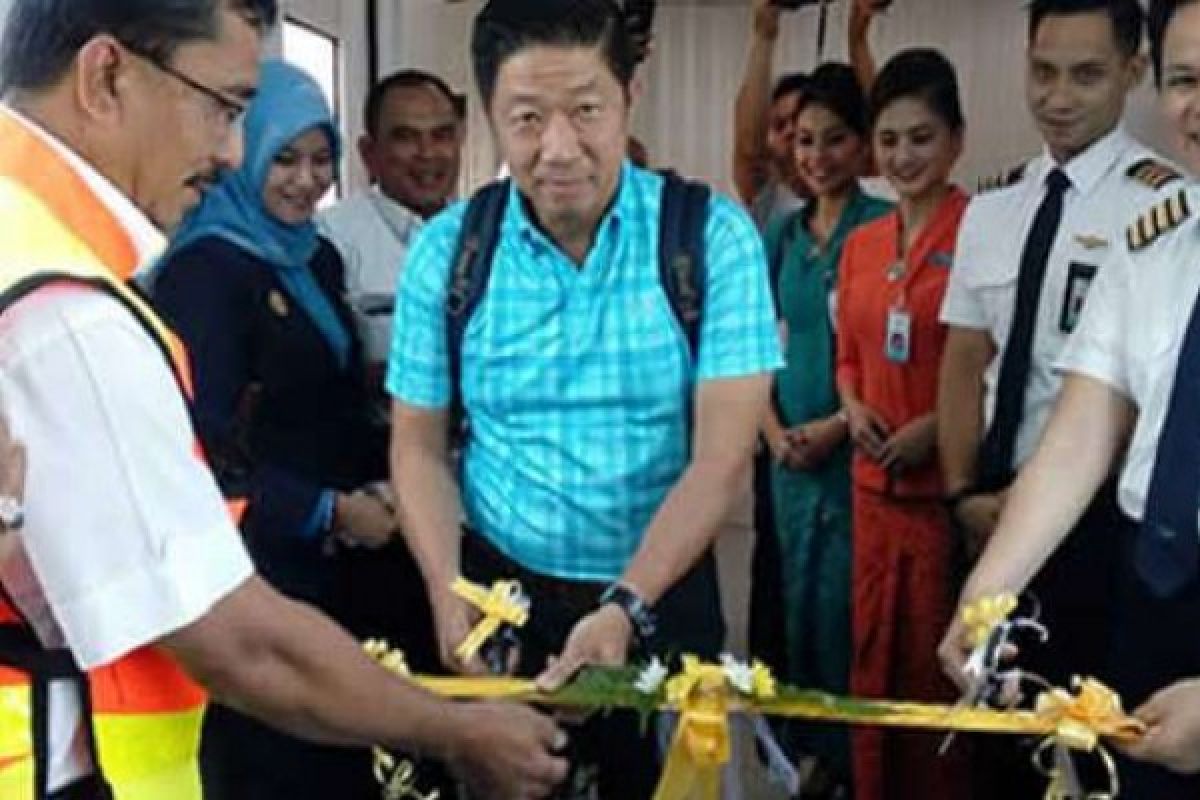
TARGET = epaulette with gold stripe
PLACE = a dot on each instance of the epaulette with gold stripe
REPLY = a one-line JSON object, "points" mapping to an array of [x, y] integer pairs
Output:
{"points": [[1001, 180], [1164, 216], [1153, 173]]}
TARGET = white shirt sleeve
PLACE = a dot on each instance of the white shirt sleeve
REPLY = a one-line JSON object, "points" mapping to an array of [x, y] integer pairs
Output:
{"points": [[127, 537], [1097, 348], [962, 306]]}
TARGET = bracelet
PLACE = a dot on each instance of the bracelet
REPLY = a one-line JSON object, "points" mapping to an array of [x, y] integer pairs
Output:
{"points": [[953, 500]]}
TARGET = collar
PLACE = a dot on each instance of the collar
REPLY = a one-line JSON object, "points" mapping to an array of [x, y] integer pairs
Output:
{"points": [[518, 212], [397, 207], [399, 218], [845, 220], [1087, 168], [147, 240]]}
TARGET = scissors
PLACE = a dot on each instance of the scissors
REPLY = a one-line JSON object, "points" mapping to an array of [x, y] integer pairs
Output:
{"points": [[989, 684]]}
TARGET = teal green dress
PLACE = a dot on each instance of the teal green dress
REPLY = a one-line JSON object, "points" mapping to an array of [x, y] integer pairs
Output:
{"points": [[812, 508]]}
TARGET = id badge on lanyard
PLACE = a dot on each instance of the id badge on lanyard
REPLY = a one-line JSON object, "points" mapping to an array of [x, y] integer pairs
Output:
{"points": [[898, 343], [897, 340]]}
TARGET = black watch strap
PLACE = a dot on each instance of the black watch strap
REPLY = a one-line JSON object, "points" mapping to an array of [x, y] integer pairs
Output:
{"points": [[641, 616]]}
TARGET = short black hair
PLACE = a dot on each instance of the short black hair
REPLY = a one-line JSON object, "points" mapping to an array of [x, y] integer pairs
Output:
{"points": [[408, 79], [922, 73], [505, 27], [41, 37], [834, 87], [1127, 17], [1158, 19], [788, 84]]}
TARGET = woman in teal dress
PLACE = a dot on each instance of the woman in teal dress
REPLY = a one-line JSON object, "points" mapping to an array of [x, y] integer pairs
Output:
{"points": [[806, 431]]}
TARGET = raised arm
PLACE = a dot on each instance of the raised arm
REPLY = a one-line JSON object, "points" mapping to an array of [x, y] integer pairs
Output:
{"points": [[751, 161]]}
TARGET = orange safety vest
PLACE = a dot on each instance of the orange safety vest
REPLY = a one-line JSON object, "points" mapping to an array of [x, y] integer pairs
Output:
{"points": [[144, 710]]}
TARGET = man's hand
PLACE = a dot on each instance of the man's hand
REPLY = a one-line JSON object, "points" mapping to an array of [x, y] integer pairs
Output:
{"points": [[454, 618], [601, 638], [977, 514], [506, 751], [1172, 716], [954, 651], [12, 482], [364, 518], [766, 20], [861, 13], [909, 447]]}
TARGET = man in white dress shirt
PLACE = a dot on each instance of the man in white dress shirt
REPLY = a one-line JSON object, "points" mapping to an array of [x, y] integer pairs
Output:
{"points": [[412, 142]]}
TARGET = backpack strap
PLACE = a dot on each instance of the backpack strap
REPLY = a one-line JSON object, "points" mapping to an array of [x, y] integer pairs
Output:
{"points": [[28, 285], [477, 241], [682, 222], [681, 267]]}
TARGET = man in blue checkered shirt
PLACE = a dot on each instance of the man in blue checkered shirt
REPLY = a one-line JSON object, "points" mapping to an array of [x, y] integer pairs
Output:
{"points": [[601, 456]]}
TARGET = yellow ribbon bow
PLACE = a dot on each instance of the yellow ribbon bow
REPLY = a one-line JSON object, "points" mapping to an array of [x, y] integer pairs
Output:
{"points": [[397, 778], [503, 604], [701, 743], [702, 695], [982, 616], [398, 781], [1080, 720]]}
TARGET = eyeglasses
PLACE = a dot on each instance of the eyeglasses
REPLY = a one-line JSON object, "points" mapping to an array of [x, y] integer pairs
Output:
{"points": [[233, 112]]}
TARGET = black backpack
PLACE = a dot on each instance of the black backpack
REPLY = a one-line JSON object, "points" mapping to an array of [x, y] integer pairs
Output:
{"points": [[681, 266]]}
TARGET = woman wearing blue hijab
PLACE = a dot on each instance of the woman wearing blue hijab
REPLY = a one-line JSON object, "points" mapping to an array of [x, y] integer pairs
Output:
{"points": [[280, 403]]}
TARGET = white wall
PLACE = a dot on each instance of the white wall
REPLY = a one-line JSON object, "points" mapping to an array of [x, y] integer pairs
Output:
{"points": [[685, 117]]}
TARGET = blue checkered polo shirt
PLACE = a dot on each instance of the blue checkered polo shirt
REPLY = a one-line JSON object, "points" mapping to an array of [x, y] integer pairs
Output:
{"points": [[577, 380]]}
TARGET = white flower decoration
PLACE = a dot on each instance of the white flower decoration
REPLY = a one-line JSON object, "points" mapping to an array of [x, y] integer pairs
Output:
{"points": [[739, 675], [651, 678]]}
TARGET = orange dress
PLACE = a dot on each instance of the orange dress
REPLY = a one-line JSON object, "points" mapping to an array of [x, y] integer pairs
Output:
{"points": [[890, 345]]}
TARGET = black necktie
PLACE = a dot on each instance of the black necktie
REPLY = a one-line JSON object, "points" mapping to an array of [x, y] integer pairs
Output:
{"points": [[996, 452], [1167, 547]]}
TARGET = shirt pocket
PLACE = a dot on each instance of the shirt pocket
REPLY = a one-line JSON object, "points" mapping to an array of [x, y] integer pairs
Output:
{"points": [[994, 286]]}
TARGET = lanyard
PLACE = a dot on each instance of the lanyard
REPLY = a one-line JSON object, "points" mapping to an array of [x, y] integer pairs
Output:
{"points": [[897, 272]]}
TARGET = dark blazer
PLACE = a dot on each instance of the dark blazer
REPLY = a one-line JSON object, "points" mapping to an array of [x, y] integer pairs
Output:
{"points": [[280, 419]]}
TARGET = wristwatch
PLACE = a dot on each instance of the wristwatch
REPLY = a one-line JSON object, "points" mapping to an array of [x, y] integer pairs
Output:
{"points": [[641, 616]]}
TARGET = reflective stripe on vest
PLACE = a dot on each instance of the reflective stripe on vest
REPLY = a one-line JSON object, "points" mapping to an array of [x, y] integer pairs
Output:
{"points": [[146, 711]]}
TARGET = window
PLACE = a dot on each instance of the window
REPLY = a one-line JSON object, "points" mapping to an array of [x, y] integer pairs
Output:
{"points": [[316, 52]]}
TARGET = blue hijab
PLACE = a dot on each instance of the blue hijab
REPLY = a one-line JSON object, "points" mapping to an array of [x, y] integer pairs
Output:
{"points": [[289, 103]]}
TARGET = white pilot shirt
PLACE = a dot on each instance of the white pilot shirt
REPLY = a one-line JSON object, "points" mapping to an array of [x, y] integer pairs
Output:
{"points": [[1131, 336], [372, 233], [982, 293]]}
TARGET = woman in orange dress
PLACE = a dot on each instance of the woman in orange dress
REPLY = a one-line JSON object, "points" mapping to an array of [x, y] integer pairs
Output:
{"points": [[891, 281]]}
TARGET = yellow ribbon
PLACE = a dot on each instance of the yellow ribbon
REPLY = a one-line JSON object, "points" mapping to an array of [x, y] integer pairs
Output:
{"points": [[701, 742], [706, 694], [1079, 720], [401, 783], [500, 605], [397, 779], [982, 616]]}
